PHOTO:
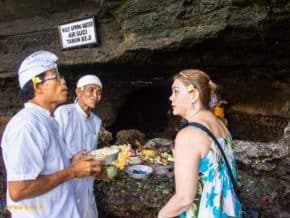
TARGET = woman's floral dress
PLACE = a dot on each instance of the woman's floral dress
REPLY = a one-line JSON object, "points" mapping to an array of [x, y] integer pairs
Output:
{"points": [[215, 197]]}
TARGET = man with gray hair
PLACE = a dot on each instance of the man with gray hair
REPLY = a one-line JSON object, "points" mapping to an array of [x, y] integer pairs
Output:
{"points": [[39, 174], [80, 127]]}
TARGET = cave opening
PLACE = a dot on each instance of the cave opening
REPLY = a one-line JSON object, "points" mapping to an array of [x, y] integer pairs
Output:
{"points": [[138, 98], [145, 109]]}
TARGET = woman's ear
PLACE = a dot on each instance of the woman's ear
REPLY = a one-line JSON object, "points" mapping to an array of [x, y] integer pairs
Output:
{"points": [[195, 96]]}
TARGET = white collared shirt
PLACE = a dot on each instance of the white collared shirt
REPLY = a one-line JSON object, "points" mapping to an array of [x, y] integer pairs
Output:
{"points": [[79, 132], [32, 146]]}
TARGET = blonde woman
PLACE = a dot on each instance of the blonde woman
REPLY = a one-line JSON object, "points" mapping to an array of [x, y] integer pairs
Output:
{"points": [[202, 181]]}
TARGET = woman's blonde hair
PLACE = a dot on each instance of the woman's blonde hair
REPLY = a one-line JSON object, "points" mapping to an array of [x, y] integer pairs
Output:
{"points": [[200, 81]]}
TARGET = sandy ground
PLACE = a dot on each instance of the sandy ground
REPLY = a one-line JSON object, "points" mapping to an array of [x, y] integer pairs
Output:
{"points": [[3, 213]]}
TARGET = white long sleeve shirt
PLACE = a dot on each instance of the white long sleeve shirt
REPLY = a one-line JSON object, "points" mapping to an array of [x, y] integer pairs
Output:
{"points": [[32, 146], [79, 132]]}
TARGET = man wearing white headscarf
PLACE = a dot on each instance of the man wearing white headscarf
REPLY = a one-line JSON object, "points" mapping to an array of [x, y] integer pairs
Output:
{"points": [[39, 175], [80, 127]]}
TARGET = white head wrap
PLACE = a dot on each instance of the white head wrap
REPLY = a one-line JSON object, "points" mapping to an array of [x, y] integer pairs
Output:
{"points": [[89, 79], [35, 64]]}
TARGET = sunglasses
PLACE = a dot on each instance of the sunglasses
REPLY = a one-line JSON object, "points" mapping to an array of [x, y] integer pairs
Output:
{"points": [[56, 77], [37, 80]]}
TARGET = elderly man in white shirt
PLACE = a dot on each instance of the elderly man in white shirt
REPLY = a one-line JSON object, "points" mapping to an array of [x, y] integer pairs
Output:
{"points": [[80, 127], [39, 174]]}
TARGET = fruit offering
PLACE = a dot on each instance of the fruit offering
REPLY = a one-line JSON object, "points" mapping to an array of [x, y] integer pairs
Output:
{"points": [[124, 154], [159, 158], [111, 171]]}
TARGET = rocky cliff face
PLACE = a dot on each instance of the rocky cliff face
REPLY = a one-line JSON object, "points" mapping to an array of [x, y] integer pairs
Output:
{"points": [[263, 178], [244, 46], [205, 33]]}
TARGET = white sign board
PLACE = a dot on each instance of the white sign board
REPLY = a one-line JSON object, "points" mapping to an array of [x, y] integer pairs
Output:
{"points": [[78, 34]]}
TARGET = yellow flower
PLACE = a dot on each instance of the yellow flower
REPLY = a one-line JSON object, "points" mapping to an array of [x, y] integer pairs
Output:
{"points": [[190, 88], [35, 80], [219, 112], [124, 154]]}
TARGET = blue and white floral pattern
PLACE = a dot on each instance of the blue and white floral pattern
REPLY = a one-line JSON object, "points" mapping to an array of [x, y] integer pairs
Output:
{"points": [[215, 197]]}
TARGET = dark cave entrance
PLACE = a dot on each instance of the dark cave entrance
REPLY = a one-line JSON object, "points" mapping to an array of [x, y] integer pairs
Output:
{"points": [[146, 109], [138, 98]]}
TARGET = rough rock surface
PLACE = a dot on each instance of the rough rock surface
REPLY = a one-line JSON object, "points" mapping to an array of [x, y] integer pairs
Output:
{"points": [[260, 165], [264, 175], [105, 138], [142, 43], [137, 31], [127, 197], [242, 44], [129, 136]]}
